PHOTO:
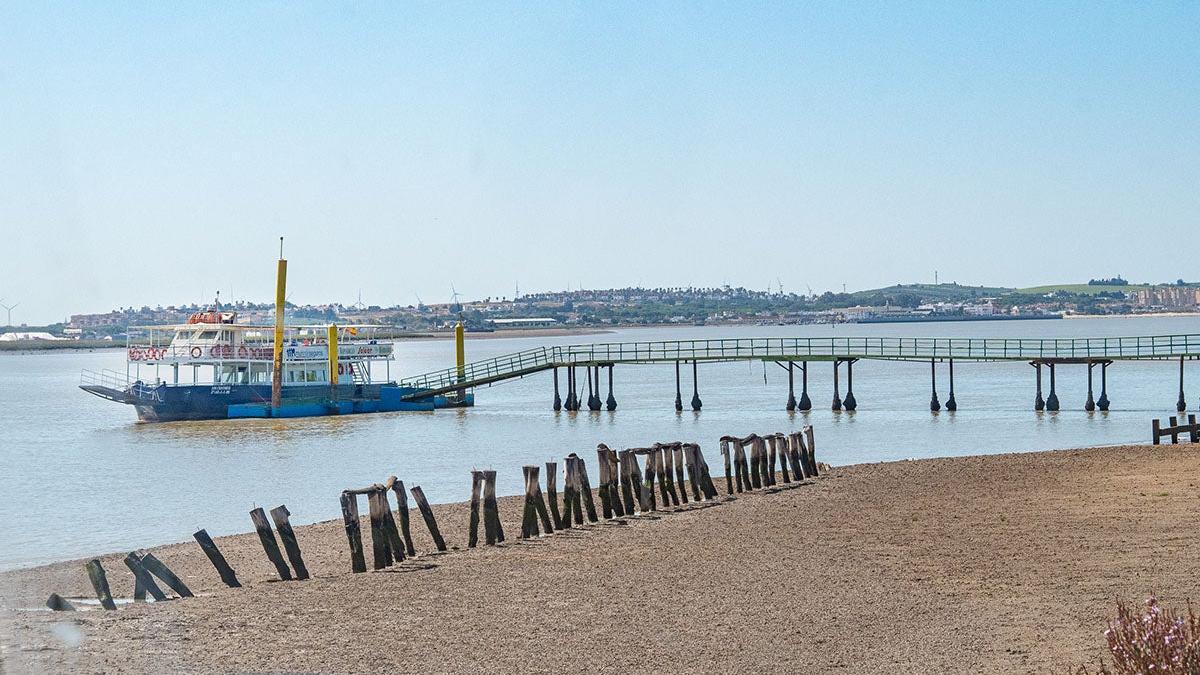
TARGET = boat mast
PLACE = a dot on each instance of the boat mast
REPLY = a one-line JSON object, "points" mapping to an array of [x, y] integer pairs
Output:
{"points": [[277, 374]]}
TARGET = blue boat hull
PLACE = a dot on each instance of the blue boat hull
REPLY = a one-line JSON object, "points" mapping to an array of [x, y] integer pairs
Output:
{"points": [[168, 403]]}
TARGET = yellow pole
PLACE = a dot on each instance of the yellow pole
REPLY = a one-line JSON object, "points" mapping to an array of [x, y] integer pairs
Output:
{"points": [[277, 375], [460, 352], [333, 358]]}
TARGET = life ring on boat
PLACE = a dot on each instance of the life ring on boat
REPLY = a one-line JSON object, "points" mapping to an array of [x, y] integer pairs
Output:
{"points": [[197, 352], [242, 352]]}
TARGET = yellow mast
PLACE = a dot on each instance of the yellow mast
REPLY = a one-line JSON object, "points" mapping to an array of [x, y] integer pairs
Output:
{"points": [[277, 373], [460, 354], [333, 358]]}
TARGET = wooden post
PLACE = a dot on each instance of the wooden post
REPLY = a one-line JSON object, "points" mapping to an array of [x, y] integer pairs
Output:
{"points": [[766, 462], [725, 450], [614, 484], [134, 563], [381, 547], [570, 495], [279, 515], [539, 502], [660, 474], [677, 461], [602, 465], [667, 478], [476, 488], [390, 530], [402, 509], [552, 493], [627, 490], [740, 466], [706, 481], [58, 603], [812, 451], [795, 448], [647, 485], [528, 517], [779, 444], [427, 514], [771, 459], [1193, 432], [353, 531], [227, 574], [693, 469], [157, 568], [1174, 423], [576, 488], [267, 537], [585, 487], [1155, 434], [100, 583], [491, 510]]}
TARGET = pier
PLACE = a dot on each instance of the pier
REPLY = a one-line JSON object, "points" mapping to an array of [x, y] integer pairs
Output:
{"points": [[796, 354]]}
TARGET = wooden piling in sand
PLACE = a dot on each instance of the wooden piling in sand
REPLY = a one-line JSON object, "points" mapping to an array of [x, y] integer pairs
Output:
{"points": [[552, 494], [779, 446], [725, 453], [629, 488], [390, 529], [706, 482], [798, 454], [661, 474], [603, 472], [58, 603], [279, 515], [614, 482], [156, 567], [535, 506], [576, 479], [812, 450], [100, 583], [143, 578], [677, 467], [740, 465], [381, 547], [227, 574], [770, 443], [476, 488], [270, 546], [353, 532], [585, 488], [491, 510], [427, 513], [402, 509]]}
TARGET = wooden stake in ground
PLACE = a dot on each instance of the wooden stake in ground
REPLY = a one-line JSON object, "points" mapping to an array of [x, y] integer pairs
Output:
{"points": [[100, 583], [552, 493], [614, 483], [353, 531], [627, 471], [770, 476], [572, 479], [402, 508], [395, 545], [227, 574], [725, 450], [381, 547], [427, 514], [529, 527], [648, 482], [157, 568], [58, 603], [267, 537], [740, 465], [602, 466], [799, 455], [660, 474], [668, 464], [491, 510], [706, 482], [134, 563], [476, 487], [585, 487], [779, 446], [812, 450], [279, 515], [689, 455]]}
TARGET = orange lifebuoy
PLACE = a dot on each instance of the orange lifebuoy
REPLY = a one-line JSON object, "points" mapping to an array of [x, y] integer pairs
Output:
{"points": [[197, 352]]}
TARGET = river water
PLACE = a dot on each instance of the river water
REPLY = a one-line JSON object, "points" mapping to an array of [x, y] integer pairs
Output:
{"points": [[81, 476]]}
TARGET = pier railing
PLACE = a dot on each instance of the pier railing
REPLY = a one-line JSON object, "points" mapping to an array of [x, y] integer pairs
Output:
{"points": [[808, 349]]}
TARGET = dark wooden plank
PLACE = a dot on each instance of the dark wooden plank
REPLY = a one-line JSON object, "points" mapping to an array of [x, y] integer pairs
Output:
{"points": [[100, 583], [539, 503], [677, 466], [529, 526], [585, 488], [473, 528], [1155, 431], [270, 546], [427, 513], [350, 520], [279, 515], [58, 603], [402, 509], [156, 567], [214, 556], [552, 494], [811, 448], [491, 510], [134, 563], [381, 546]]}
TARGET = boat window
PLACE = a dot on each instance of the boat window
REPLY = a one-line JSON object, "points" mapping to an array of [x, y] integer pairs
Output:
{"points": [[226, 335], [208, 335]]}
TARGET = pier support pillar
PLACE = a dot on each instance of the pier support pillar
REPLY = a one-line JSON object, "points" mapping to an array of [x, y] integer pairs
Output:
{"points": [[1038, 403], [1181, 404], [1052, 399], [696, 403], [849, 403], [611, 403], [951, 404], [934, 404], [837, 397], [572, 398], [594, 394], [678, 394], [791, 400], [1103, 401], [805, 402], [557, 398], [1090, 404]]}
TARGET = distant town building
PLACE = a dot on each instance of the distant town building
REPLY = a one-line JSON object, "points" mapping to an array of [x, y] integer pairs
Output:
{"points": [[532, 322], [1167, 296], [30, 336]]}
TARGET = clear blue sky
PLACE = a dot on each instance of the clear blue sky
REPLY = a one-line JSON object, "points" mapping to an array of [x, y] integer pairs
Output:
{"points": [[152, 153]]}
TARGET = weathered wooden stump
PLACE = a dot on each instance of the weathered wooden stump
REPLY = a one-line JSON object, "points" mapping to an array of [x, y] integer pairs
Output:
{"points": [[279, 515], [402, 509], [552, 494], [267, 537], [585, 487], [491, 510], [143, 578], [779, 446], [381, 547], [218, 561], [353, 531], [627, 471], [812, 450], [602, 468], [476, 488], [677, 464], [390, 530], [100, 583], [156, 567], [427, 514], [58, 603]]}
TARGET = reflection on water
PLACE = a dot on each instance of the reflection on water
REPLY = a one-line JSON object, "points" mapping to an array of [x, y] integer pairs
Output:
{"points": [[211, 473]]}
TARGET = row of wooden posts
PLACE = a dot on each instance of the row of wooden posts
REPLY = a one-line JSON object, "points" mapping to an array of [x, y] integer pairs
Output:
{"points": [[626, 489]]}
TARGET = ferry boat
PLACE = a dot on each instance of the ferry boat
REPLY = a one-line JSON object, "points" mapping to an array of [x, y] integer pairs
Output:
{"points": [[212, 367]]}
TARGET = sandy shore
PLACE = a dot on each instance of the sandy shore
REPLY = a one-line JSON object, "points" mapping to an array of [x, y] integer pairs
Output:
{"points": [[1006, 563]]}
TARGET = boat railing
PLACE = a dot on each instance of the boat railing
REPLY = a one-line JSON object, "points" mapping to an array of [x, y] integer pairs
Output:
{"points": [[257, 351], [109, 379]]}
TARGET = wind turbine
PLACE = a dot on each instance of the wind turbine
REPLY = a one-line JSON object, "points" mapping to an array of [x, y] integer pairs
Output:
{"points": [[10, 309]]}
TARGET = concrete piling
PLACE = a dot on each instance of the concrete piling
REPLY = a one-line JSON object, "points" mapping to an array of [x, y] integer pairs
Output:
{"points": [[934, 404], [850, 403], [696, 403], [837, 397], [611, 402], [557, 398], [805, 402], [1052, 398], [951, 404], [1103, 401]]}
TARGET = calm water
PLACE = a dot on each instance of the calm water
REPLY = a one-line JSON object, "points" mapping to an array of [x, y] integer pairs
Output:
{"points": [[80, 476]]}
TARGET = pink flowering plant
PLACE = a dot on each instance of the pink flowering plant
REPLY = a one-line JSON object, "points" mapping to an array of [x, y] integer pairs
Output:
{"points": [[1153, 640]]}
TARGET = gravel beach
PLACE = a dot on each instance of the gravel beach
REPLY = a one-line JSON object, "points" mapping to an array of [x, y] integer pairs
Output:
{"points": [[1002, 563]]}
